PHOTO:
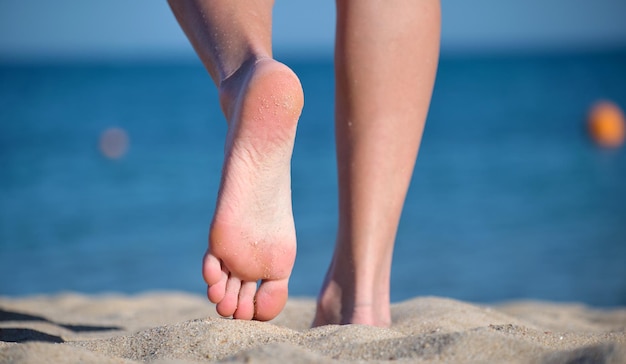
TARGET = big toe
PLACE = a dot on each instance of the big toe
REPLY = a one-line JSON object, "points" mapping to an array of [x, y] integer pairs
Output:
{"points": [[270, 299]]}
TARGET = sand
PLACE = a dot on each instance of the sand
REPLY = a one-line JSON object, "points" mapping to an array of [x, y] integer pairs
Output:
{"points": [[169, 327]]}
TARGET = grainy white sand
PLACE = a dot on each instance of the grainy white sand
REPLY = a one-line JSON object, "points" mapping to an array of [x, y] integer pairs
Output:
{"points": [[181, 328]]}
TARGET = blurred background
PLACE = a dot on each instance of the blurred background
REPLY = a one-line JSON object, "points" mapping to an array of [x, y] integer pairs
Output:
{"points": [[111, 145]]}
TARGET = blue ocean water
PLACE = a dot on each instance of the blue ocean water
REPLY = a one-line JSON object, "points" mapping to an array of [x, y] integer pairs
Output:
{"points": [[509, 198]]}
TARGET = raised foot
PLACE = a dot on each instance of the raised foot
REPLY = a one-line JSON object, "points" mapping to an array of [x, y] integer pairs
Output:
{"points": [[252, 237]]}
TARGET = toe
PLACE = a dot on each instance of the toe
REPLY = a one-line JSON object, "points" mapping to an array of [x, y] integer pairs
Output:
{"points": [[270, 299], [245, 306], [216, 292], [227, 306], [211, 269], [215, 276]]}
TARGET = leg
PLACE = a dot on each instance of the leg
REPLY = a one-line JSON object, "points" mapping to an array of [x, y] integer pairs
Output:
{"points": [[385, 60], [252, 236]]}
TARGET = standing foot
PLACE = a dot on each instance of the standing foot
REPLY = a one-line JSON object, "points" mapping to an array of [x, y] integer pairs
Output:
{"points": [[348, 297], [252, 238]]}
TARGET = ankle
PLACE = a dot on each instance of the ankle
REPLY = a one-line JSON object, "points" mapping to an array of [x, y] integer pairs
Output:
{"points": [[340, 303], [230, 84]]}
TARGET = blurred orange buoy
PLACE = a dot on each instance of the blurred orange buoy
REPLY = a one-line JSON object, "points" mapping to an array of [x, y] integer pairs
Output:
{"points": [[114, 143], [606, 124]]}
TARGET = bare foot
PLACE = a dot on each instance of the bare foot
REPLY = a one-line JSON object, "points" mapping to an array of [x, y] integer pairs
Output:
{"points": [[353, 296], [252, 236]]}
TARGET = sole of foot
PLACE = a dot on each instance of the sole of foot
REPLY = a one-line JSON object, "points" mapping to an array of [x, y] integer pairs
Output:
{"points": [[252, 239]]}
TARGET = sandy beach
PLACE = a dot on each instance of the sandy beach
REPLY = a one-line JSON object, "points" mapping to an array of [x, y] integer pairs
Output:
{"points": [[171, 327]]}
